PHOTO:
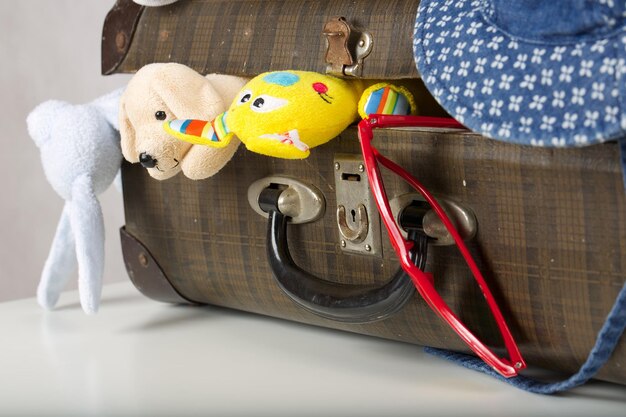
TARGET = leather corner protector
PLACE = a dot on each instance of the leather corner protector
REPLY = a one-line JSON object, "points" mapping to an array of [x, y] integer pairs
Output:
{"points": [[117, 33], [145, 273]]}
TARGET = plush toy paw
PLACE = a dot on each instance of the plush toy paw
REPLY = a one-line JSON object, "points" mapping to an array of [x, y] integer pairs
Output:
{"points": [[383, 98], [200, 132]]}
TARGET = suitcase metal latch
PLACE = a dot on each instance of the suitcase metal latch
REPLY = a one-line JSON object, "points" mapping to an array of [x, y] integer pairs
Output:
{"points": [[301, 202], [462, 217], [346, 48], [357, 217]]}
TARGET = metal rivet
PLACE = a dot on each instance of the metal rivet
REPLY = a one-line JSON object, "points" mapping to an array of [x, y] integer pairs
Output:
{"points": [[337, 166], [518, 365], [361, 168], [164, 35], [368, 248], [143, 259], [361, 43], [120, 41], [343, 243]]}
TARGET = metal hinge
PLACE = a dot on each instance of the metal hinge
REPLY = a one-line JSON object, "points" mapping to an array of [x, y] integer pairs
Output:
{"points": [[346, 48]]}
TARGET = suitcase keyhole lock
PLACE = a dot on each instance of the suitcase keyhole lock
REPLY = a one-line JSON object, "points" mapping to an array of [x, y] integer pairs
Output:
{"points": [[357, 218], [357, 232]]}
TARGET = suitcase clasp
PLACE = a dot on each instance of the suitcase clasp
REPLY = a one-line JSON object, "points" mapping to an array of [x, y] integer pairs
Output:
{"points": [[463, 218], [303, 203], [357, 217], [346, 48]]}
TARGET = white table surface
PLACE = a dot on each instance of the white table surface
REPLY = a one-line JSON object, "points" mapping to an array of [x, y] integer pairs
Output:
{"points": [[139, 357]]}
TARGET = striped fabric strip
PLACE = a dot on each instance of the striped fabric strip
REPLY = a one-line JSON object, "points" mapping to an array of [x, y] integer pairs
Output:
{"points": [[390, 104], [387, 101], [372, 102], [219, 124], [177, 125], [402, 105], [195, 128], [207, 132]]}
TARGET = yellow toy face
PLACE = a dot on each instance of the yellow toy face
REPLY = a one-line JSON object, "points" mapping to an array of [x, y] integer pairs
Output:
{"points": [[284, 114]]}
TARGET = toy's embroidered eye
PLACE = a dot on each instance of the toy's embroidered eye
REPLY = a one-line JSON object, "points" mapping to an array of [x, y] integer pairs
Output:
{"points": [[160, 115], [264, 104], [245, 97]]}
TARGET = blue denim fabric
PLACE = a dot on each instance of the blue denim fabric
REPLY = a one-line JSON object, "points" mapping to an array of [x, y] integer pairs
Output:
{"points": [[536, 72], [606, 342], [539, 72]]}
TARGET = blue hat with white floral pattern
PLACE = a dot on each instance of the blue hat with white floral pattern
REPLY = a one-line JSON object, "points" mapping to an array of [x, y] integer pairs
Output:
{"points": [[540, 72]]}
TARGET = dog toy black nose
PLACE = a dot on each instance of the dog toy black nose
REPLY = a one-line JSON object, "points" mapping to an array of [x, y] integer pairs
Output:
{"points": [[147, 161]]}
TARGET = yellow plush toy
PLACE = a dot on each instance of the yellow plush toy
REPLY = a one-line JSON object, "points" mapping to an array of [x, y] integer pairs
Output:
{"points": [[286, 113]]}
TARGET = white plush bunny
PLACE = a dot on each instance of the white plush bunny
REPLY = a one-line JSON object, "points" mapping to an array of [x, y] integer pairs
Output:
{"points": [[80, 153]]}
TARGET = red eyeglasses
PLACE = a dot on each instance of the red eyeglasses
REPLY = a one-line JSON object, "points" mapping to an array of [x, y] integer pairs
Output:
{"points": [[424, 281]]}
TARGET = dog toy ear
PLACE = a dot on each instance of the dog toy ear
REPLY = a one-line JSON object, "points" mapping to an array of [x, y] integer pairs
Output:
{"points": [[200, 132], [41, 120], [127, 134], [383, 98]]}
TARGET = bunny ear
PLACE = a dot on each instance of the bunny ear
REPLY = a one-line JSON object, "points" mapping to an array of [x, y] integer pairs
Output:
{"points": [[87, 224], [200, 132], [42, 118], [60, 264]]}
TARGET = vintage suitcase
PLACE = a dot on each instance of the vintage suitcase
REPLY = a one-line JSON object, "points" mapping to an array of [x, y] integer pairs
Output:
{"points": [[551, 224]]}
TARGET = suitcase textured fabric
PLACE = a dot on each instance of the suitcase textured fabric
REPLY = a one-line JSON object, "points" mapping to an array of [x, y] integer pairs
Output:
{"points": [[551, 235]]}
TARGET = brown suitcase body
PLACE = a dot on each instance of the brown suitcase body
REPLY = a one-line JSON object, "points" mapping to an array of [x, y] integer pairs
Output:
{"points": [[551, 236]]}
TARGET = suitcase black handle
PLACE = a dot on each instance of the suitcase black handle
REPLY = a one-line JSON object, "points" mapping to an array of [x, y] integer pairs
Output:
{"points": [[332, 300]]}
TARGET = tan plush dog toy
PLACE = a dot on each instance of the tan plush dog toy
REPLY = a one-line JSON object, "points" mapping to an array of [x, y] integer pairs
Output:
{"points": [[161, 92]]}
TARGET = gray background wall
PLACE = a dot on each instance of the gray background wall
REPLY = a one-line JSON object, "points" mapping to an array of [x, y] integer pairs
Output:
{"points": [[49, 49]]}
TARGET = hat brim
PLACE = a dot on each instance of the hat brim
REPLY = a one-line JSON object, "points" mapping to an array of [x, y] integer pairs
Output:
{"points": [[516, 90]]}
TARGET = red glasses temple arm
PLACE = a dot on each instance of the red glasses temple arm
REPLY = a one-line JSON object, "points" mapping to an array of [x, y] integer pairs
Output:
{"points": [[509, 342], [387, 120], [371, 155]]}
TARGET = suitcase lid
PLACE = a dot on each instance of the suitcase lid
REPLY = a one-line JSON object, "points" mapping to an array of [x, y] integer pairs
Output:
{"points": [[247, 38]]}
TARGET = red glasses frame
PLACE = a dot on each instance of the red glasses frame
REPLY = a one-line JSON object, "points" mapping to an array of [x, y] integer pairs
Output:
{"points": [[424, 281]]}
